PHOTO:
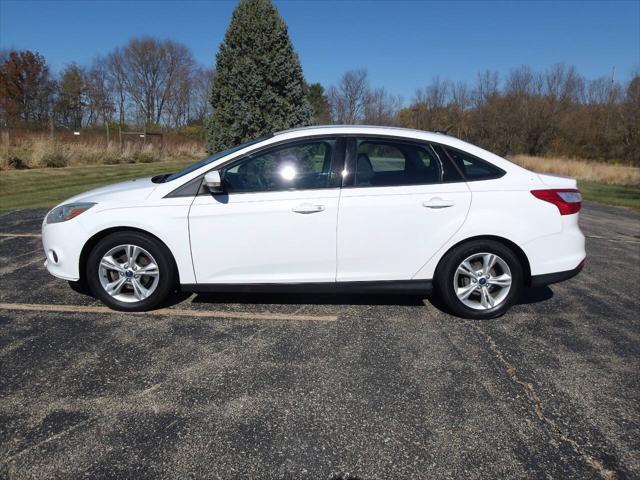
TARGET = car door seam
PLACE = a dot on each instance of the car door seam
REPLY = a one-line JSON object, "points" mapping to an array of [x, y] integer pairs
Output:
{"points": [[193, 266], [451, 236]]}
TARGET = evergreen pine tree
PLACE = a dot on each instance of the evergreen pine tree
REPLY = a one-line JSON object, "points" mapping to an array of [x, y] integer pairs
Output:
{"points": [[320, 109], [258, 86]]}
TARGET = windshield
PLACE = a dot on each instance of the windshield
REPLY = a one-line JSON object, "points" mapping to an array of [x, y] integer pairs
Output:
{"points": [[206, 161]]}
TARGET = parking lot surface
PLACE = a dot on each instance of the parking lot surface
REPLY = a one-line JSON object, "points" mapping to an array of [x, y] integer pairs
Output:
{"points": [[319, 387]]}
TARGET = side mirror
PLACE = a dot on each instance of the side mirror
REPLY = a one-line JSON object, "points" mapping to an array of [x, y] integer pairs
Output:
{"points": [[213, 182]]}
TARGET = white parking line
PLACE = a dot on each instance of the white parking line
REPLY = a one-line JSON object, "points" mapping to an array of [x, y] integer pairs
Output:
{"points": [[169, 312], [28, 235]]}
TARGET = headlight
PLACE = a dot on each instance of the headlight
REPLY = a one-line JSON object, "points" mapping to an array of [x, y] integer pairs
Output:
{"points": [[68, 211]]}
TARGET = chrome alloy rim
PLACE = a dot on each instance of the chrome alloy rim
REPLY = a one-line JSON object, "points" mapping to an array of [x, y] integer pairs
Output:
{"points": [[128, 273], [482, 281]]}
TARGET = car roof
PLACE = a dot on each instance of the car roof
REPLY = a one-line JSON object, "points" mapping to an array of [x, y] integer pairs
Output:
{"points": [[364, 129], [398, 132]]}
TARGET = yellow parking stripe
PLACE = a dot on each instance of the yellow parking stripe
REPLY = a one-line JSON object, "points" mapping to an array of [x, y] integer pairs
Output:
{"points": [[169, 312]]}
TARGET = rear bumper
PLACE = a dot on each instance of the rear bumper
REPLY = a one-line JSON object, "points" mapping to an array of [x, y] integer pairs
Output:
{"points": [[549, 278], [557, 253]]}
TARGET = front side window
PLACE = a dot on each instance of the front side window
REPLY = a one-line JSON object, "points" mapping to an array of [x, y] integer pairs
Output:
{"points": [[383, 163], [300, 166], [207, 161]]}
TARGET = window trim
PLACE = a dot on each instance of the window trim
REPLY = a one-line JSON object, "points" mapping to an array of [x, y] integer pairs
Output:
{"points": [[289, 142], [351, 160], [347, 143], [500, 172], [340, 140], [450, 163]]}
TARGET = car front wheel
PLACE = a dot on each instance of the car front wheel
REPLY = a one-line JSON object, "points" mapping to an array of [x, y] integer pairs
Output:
{"points": [[130, 271], [479, 279]]}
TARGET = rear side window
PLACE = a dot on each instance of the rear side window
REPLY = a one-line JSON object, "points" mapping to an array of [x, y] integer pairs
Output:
{"points": [[384, 163], [473, 168]]}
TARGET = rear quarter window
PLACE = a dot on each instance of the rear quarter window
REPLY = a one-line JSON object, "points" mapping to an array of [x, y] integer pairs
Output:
{"points": [[473, 168]]}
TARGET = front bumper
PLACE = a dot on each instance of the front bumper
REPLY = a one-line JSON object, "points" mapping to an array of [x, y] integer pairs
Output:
{"points": [[63, 244]]}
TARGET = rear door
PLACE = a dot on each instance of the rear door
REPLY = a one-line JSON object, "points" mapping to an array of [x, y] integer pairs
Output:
{"points": [[399, 204]]}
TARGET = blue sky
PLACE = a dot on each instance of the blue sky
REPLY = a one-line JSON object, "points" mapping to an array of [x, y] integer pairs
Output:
{"points": [[403, 44]]}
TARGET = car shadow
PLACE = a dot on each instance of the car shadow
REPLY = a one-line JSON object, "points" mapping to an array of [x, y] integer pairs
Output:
{"points": [[528, 296], [534, 295], [309, 299]]}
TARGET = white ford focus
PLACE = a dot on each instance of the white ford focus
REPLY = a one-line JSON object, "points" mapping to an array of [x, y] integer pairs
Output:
{"points": [[344, 209]]}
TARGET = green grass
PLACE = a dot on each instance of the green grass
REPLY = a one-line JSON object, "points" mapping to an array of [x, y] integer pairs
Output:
{"points": [[45, 187], [48, 186], [618, 195]]}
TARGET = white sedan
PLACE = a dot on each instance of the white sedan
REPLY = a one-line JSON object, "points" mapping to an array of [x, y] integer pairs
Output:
{"points": [[325, 209]]}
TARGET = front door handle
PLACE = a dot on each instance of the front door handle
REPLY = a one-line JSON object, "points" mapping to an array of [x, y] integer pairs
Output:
{"points": [[438, 202], [307, 208]]}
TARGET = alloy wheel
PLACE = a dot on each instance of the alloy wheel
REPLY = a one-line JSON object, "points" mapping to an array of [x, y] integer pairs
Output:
{"points": [[128, 273], [482, 281]]}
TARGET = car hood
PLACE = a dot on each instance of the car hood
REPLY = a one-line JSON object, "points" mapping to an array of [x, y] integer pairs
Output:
{"points": [[128, 192]]}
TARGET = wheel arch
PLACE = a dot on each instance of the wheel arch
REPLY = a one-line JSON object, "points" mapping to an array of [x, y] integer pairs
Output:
{"points": [[524, 260], [96, 237]]}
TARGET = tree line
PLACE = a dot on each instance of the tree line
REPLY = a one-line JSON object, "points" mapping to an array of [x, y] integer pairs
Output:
{"points": [[145, 82], [258, 87], [557, 111]]}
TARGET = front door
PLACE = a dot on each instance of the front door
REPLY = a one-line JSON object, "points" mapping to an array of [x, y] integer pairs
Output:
{"points": [[276, 221]]}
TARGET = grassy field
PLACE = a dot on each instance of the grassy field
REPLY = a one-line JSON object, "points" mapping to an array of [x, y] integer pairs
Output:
{"points": [[611, 184], [618, 195], [31, 151], [45, 187]]}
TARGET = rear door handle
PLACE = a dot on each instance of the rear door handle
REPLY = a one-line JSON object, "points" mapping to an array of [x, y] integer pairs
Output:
{"points": [[307, 208], [438, 202]]}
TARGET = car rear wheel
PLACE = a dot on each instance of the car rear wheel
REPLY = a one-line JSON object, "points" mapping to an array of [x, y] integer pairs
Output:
{"points": [[479, 279], [130, 271]]}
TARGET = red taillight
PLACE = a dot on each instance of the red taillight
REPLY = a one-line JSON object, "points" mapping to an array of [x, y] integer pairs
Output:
{"points": [[568, 200]]}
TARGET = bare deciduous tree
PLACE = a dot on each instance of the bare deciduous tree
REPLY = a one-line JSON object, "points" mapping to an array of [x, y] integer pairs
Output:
{"points": [[155, 77], [117, 81], [99, 100], [380, 107], [486, 87], [154, 72], [200, 94], [71, 97], [352, 101], [349, 97]]}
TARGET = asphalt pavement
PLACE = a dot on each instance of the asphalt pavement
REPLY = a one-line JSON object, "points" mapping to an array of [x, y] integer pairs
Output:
{"points": [[322, 386]]}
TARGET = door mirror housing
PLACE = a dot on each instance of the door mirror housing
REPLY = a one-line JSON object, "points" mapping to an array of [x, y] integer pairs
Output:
{"points": [[213, 182]]}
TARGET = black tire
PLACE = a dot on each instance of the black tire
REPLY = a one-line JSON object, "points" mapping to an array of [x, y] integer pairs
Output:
{"points": [[445, 275], [166, 282]]}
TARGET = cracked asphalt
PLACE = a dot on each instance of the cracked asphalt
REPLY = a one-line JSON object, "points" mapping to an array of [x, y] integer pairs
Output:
{"points": [[322, 387]]}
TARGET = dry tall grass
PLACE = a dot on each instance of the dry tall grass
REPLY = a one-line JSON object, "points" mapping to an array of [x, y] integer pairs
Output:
{"points": [[38, 151], [581, 169]]}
